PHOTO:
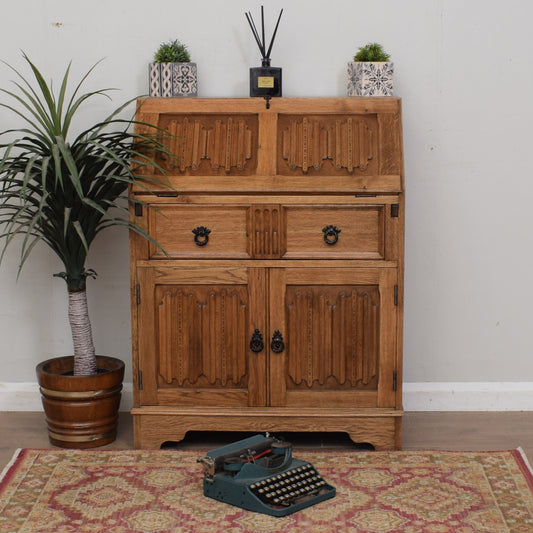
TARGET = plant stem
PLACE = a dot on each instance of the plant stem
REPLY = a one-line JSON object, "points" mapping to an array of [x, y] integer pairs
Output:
{"points": [[82, 336]]}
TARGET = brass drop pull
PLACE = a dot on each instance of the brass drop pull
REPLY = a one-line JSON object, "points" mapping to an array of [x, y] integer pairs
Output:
{"points": [[201, 235], [331, 234], [277, 345], [256, 343]]}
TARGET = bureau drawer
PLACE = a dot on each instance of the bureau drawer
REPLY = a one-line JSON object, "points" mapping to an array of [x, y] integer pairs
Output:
{"points": [[199, 231], [347, 232]]}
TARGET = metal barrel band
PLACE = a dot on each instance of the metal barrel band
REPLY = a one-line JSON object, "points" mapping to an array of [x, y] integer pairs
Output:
{"points": [[74, 395]]}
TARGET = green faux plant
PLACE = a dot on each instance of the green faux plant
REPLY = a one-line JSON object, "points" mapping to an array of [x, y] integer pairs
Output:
{"points": [[372, 52], [63, 189], [172, 52]]}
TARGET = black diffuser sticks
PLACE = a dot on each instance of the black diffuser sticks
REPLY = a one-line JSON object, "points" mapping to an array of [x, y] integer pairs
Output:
{"points": [[261, 40]]}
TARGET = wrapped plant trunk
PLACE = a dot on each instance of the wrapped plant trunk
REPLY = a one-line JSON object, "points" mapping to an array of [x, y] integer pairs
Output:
{"points": [[82, 336]]}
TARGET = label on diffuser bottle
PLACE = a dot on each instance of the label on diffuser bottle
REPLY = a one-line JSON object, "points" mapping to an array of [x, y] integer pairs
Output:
{"points": [[265, 82]]}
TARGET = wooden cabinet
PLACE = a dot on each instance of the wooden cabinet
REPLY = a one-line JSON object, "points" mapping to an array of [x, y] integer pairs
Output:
{"points": [[277, 305]]}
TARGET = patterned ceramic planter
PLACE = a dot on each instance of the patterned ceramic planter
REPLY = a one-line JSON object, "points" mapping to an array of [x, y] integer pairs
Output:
{"points": [[370, 79], [173, 79]]}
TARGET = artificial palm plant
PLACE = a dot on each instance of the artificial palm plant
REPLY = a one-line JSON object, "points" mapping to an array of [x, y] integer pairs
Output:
{"points": [[64, 191]]}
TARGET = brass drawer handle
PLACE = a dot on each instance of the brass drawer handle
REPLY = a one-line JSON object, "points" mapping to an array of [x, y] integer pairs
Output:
{"points": [[201, 235], [331, 234]]}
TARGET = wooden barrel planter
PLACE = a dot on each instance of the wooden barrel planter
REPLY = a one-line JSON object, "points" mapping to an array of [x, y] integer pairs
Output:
{"points": [[81, 411]]}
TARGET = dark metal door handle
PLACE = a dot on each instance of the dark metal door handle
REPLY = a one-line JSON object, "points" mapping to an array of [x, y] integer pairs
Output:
{"points": [[256, 343], [277, 345]]}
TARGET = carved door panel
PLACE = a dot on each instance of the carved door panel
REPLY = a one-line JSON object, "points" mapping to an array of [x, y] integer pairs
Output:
{"points": [[195, 329], [339, 337]]}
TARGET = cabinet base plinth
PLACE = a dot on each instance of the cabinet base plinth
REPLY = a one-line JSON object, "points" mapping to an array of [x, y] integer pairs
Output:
{"points": [[155, 425]]}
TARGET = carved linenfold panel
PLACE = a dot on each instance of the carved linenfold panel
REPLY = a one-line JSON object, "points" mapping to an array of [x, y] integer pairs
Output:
{"points": [[328, 145], [334, 337], [202, 335], [211, 144], [266, 232]]}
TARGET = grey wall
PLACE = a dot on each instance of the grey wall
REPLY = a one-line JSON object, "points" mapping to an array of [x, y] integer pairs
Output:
{"points": [[464, 72]]}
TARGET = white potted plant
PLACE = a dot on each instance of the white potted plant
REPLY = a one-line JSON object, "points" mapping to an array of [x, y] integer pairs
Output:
{"points": [[371, 73], [172, 74]]}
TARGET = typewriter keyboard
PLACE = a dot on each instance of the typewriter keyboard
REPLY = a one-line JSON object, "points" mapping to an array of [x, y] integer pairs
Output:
{"points": [[290, 486]]}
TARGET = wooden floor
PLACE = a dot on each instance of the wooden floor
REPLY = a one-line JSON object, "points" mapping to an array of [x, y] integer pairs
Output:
{"points": [[421, 430]]}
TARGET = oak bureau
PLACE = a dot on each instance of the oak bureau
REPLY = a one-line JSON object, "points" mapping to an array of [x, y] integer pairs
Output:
{"points": [[278, 304]]}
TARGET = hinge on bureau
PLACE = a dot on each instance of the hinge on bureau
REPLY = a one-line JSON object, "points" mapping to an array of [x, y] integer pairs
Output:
{"points": [[395, 294], [140, 380], [394, 380], [395, 210], [138, 210], [138, 294]]}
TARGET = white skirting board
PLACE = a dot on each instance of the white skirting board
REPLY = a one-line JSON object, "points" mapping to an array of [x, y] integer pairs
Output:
{"points": [[468, 396], [471, 396]]}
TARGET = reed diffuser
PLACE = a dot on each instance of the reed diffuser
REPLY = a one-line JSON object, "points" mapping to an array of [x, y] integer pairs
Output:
{"points": [[264, 80]]}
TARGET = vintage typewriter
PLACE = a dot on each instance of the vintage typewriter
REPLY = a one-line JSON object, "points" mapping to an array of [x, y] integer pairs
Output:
{"points": [[260, 474]]}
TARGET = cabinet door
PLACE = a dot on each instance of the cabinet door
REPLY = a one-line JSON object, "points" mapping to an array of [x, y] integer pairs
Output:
{"points": [[339, 333], [194, 331]]}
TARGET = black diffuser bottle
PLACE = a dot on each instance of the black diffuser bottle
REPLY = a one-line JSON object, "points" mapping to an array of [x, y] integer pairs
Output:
{"points": [[265, 80]]}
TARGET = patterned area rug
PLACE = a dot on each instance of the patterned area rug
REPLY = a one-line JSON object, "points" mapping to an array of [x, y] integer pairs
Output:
{"points": [[71, 491]]}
